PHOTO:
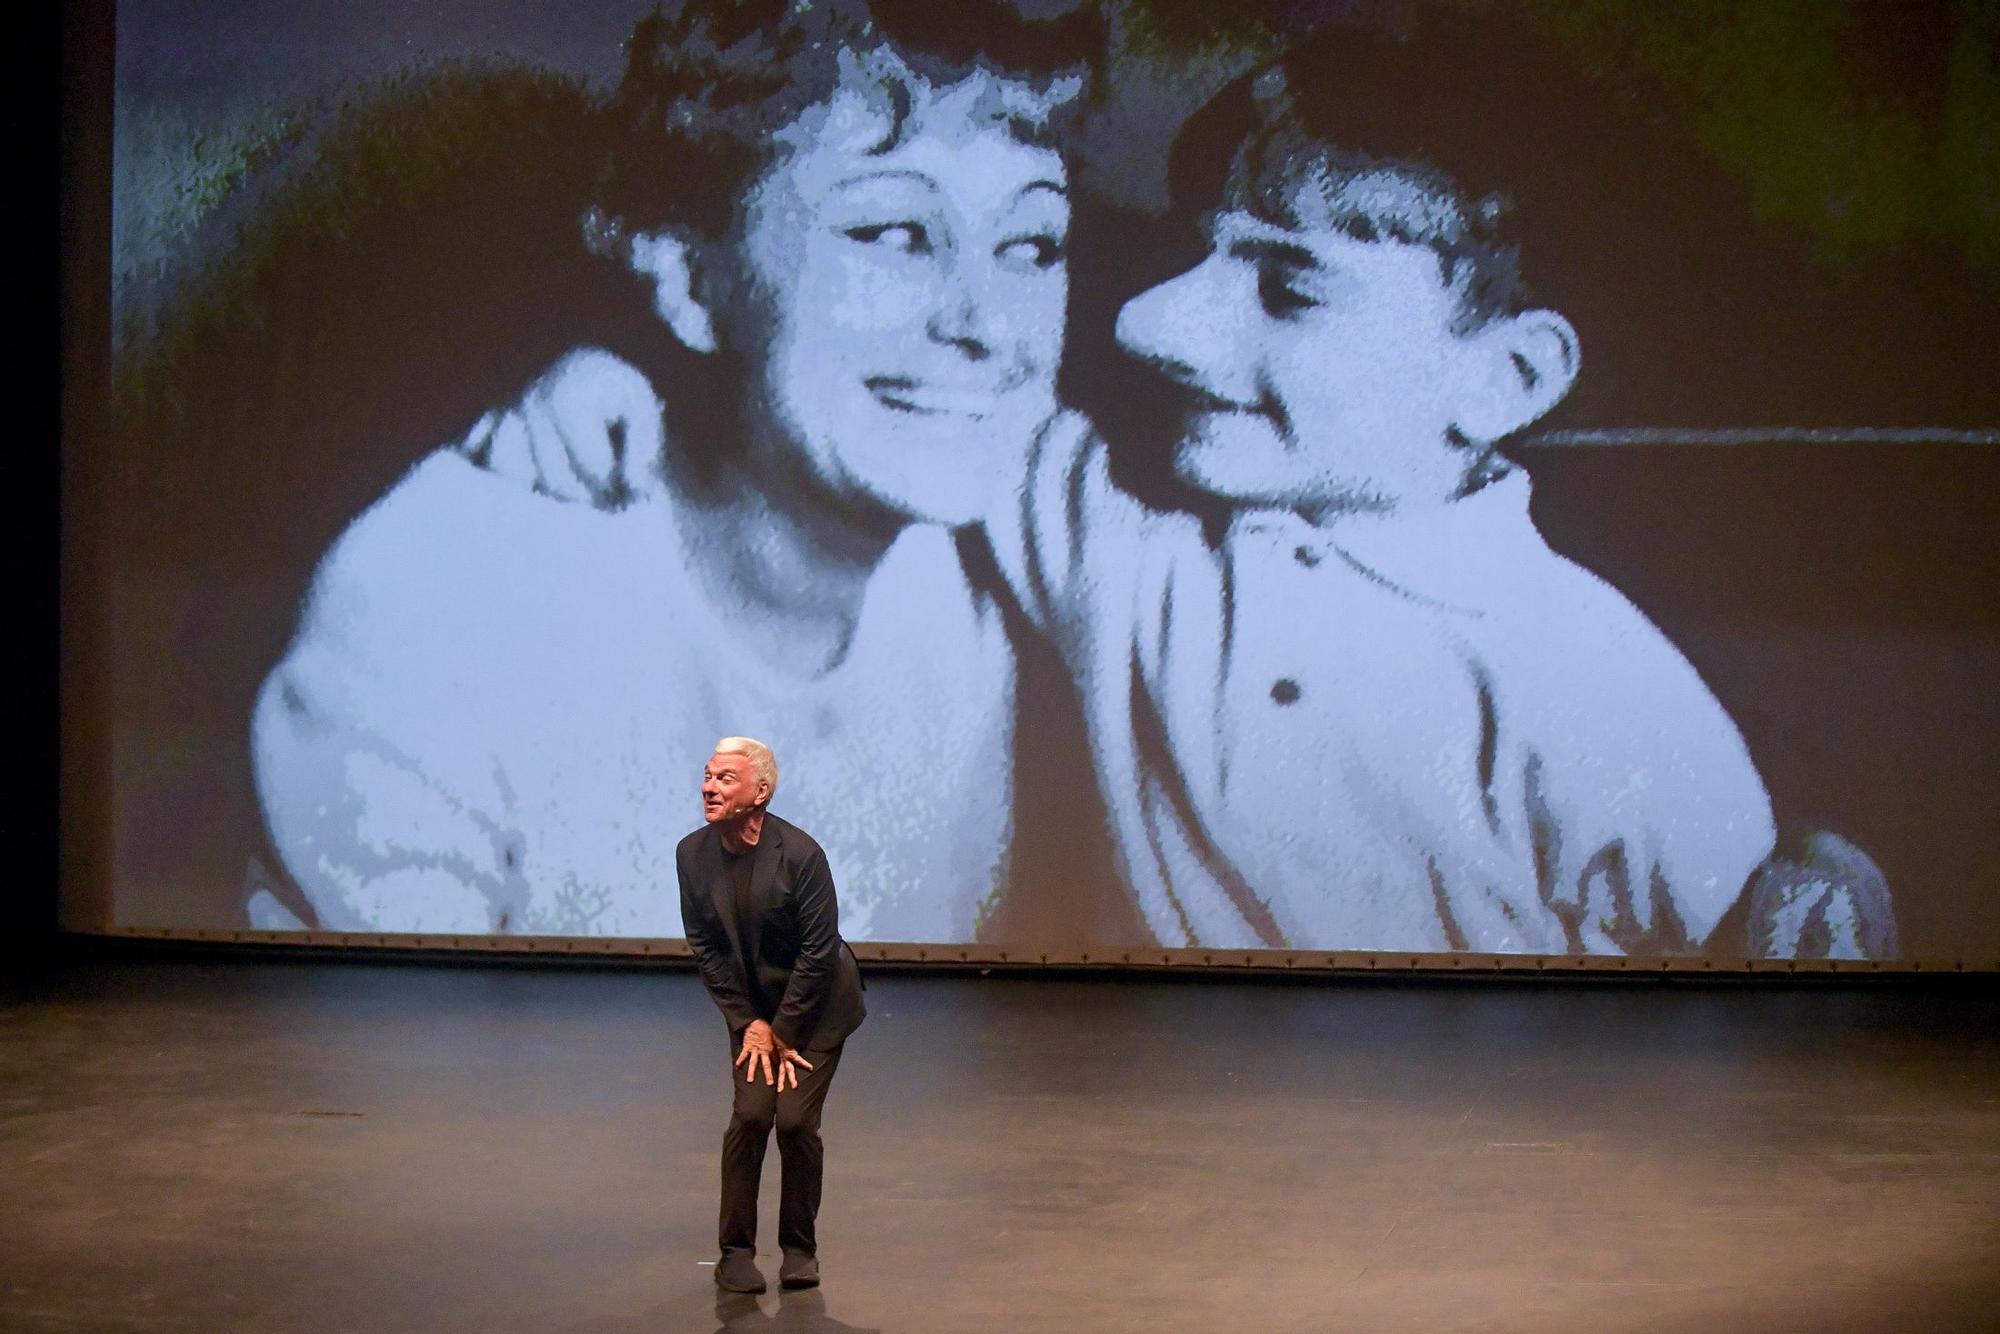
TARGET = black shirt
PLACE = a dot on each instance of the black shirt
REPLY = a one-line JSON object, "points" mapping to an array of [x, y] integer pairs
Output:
{"points": [[745, 913]]}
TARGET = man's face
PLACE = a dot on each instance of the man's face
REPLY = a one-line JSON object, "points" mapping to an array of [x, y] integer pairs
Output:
{"points": [[908, 303], [729, 788], [1323, 372]]}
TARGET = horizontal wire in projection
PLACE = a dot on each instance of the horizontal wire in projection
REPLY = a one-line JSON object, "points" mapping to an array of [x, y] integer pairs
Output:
{"points": [[1766, 435]]}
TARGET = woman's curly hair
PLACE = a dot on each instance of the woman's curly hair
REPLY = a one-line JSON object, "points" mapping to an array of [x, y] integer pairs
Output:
{"points": [[710, 84]]}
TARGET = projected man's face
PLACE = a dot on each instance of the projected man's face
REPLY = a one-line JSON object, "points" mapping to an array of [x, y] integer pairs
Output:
{"points": [[1323, 372], [907, 311]]}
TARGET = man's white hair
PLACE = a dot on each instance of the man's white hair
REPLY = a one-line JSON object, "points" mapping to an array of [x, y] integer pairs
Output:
{"points": [[762, 761]]}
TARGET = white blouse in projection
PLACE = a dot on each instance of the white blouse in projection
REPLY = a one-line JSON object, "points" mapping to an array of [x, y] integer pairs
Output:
{"points": [[497, 707]]}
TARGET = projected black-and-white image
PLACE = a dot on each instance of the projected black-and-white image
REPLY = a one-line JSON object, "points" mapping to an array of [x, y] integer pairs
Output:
{"points": [[1331, 477]]}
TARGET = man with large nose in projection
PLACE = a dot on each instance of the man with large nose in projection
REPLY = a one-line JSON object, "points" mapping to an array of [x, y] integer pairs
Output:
{"points": [[1371, 709], [758, 901]]}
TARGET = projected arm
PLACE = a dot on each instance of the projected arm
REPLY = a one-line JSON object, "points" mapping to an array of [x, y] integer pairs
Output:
{"points": [[588, 432], [1057, 537]]}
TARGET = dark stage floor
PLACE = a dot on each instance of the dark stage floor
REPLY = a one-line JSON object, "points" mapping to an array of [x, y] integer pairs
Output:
{"points": [[317, 1147]]}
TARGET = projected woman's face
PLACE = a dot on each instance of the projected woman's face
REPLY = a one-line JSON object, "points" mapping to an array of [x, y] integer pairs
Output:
{"points": [[906, 307]]}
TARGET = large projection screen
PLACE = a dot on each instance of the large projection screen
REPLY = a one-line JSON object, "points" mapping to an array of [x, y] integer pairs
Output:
{"points": [[1446, 478]]}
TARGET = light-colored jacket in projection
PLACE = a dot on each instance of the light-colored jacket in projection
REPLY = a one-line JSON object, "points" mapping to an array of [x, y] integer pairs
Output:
{"points": [[1411, 732]]}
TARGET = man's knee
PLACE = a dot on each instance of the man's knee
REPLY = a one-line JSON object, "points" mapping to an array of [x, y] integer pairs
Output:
{"points": [[753, 1118], [795, 1123]]}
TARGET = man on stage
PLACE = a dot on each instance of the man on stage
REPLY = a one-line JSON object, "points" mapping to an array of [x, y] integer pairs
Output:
{"points": [[758, 906]]}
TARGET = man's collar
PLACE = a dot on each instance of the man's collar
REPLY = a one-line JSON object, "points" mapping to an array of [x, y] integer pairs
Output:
{"points": [[1447, 554]]}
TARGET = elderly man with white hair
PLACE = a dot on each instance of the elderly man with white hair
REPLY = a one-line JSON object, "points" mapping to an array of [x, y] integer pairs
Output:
{"points": [[758, 903]]}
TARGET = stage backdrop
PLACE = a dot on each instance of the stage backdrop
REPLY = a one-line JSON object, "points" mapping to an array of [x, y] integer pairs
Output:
{"points": [[1503, 479]]}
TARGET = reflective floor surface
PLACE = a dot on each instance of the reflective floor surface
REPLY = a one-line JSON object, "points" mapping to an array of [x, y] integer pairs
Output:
{"points": [[278, 1146]]}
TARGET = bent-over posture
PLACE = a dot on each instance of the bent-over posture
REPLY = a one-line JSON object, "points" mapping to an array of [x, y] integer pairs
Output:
{"points": [[758, 904]]}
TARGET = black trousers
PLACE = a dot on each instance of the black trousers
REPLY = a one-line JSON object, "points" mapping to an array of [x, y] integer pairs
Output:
{"points": [[794, 1114]]}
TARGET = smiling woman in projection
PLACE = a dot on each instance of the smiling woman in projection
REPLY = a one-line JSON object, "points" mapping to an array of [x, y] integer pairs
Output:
{"points": [[858, 247]]}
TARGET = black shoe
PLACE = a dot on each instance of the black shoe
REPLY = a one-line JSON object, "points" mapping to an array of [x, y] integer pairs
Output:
{"points": [[799, 1271], [737, 1272]]}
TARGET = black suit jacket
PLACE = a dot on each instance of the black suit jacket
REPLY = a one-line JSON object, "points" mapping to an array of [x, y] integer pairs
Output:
{"points": [[793, 971]]}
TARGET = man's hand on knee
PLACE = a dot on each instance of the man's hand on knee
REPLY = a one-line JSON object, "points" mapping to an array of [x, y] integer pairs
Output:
{"points": [[789, 1065], [759, 1044]]}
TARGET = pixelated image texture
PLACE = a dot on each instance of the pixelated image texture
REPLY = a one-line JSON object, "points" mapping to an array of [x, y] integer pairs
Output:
{"points": [[1449, 477]]}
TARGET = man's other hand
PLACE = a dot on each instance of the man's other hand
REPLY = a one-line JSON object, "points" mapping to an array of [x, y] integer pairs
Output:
{"points": [[789, 1065]]}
